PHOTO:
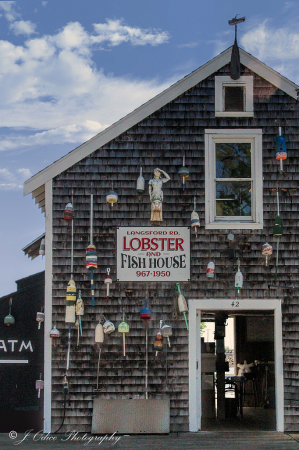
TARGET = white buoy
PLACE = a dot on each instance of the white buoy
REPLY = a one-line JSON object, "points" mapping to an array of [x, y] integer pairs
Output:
{"points": [[195, 218], [140, 183], [99, 339], [239, 279], [42, 247], [99, 334]]}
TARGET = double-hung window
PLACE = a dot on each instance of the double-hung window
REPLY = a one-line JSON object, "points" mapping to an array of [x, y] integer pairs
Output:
{"points": [[233, 179]]}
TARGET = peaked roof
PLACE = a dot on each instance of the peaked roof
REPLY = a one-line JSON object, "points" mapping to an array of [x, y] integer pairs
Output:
{"points": [[35, 184]]}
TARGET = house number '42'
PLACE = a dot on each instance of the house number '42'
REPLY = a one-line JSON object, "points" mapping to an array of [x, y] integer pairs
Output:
{"points": [[235, 304]]}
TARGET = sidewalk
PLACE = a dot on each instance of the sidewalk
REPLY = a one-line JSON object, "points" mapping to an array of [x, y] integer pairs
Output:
{"points": [[204, 440]]}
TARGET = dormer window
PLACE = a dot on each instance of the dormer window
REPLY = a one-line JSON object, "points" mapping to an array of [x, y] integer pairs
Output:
{"points": [[234, 98]]}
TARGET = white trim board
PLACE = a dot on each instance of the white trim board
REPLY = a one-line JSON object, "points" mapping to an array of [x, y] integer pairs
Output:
{"points": [[48, 312], [153, 105], [195, 308]]}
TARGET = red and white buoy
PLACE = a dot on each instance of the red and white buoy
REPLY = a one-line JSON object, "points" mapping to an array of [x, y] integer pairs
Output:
{"points": [[210, 270], [267, 251], [54, 335], [68, 212]]}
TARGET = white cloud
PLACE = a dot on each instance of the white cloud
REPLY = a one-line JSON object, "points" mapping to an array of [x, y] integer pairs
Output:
{"points": [[24, 173], [278, 47], [6, 174], [9, 11], [23, 27], [44, 3], [10, 186], [189, 45], [269, 42], [115, 32], [51, 87]]}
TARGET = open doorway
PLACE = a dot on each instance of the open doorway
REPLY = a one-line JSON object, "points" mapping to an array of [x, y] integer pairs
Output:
{"points": [[238, 382]]}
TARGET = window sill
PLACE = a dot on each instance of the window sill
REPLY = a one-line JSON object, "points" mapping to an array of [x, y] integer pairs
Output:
{"points": [[234, 226], [234, 114]]}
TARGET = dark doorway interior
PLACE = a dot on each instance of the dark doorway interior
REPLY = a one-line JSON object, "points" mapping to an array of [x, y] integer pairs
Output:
{"points": [[248, 396]]}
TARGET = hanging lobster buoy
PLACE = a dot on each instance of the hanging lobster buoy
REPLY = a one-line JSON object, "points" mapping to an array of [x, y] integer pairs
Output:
{"points": [[123, 328], [140, 183], [91, 263], [40, 317], [42, 247], [158, 346], [79, 314], [91, 252], [9, 319], [267, 251], [108, 281], [278, 226], [166, 332], [239, 279], [145, 316], [108, 327], [210, 273], [281, 149], [99, 339], [68, 212], [195, 221], [112, 197], [145, 313], [54, 335], [195, 218], [182, 304], [99, 334], [39, 384], [70, 313], [183, 173]]}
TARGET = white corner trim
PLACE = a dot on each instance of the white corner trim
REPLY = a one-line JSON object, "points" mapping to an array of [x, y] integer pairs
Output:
{"points": [[48, 311], [195, 308]]}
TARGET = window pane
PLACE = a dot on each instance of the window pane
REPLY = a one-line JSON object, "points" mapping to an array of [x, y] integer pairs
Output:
{"points": [[233, 198], [233, 160], [233, 98]]}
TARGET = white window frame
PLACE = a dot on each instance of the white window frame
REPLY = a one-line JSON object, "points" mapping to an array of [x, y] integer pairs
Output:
{"points": [[254, 136], [220, 83]]}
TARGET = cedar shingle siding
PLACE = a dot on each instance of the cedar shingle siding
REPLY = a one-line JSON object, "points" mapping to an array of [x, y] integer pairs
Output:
{"points": [[159, 141]]}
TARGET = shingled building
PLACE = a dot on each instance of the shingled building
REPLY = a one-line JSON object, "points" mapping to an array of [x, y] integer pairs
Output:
{"points": [[213, 121]]}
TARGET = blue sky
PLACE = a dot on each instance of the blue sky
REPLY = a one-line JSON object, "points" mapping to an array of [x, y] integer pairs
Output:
{"points": [[68, 69]]}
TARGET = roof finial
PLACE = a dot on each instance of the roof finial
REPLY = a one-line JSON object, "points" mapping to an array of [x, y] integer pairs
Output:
{"points": [[235, 66]]}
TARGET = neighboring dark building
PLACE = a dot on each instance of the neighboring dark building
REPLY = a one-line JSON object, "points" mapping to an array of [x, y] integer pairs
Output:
{"points": [[213, 120], [22, 357]]}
